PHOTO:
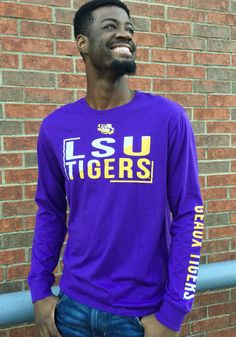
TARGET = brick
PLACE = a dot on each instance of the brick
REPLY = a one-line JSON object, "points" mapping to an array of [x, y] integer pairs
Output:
{"points": [[171, 56], [46, 95], [222, 100], [216, 246], [28, 110], [221, 18], [222, 5], [214, 167], [212, 87], [26, 331], [186, 43], [32, 127], [222, 205], [10, 287], [218, 127], [30, 191], [11, 225], [222, 309], [221, 180], [66, 48], [212, 31], [233, 166], [220, 257], [233, 33], [207, 324], [185, 71], [72, 81], [217, 140], [211, 114], [185, 329], [141, 24], [23, 239], [29, 222], [234, 60], [169, 27], [140, 83], [149, 10], [196, 314], [214, 193], [65, 15], [9, 61], [12, 256], [146, 69], [20, 143], [142, 54], [232, 319], [150, 40], [18, 208], [11, 94], [201, 153], [216, 219], [222, 232], [47, 63], [53, 31], [226, 153], [176, 2], [229, 332], [181, 14], [8, 26], [20, 176], [17, 272], [221, 74], [172, 85], [30, 159], [233, 7], [32, 79], [27, 45], [10, 193], [10, 160], [232, 192], [57, 3], [80, 66], [224, 46], [233, 244], [208, 59], [10, 127], [12, 9], [189, 100], [198, 127]]}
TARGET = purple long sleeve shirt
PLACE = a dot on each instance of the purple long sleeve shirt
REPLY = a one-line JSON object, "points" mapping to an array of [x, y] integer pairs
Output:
{"points": [[135, 226]]}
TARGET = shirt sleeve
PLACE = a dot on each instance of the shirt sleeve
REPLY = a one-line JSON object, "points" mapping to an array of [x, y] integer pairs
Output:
{"points": [[50, 226], [186, 228]]}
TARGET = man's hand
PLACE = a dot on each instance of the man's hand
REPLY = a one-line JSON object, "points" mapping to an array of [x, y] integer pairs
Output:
{"points": [[44, 316], [154, 328]]}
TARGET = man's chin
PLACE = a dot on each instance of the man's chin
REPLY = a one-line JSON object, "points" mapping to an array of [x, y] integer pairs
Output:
{"points": [[123, 67]]}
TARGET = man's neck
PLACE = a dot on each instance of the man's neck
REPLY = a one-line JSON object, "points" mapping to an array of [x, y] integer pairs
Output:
{"points": [[103, 94]]}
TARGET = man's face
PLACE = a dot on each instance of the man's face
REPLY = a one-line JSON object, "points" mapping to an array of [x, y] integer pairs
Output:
{"points": [[111, 46]]}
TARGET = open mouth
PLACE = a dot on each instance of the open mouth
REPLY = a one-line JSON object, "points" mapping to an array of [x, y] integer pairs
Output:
{"points": [[122, 50]]}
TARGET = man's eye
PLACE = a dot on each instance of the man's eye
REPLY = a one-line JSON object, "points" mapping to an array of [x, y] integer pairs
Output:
{"points": [[110, 26], [130, 30]]}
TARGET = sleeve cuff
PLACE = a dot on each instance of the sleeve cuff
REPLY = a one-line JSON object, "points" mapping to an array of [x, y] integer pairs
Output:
{"points": [[39, 290], [171, 316]]}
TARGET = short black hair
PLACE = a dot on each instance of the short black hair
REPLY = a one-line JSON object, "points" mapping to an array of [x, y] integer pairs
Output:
{"points": [[83, 17]]}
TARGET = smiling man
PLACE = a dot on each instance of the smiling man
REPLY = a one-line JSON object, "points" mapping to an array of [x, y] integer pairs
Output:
{"points": [[125, 162]]}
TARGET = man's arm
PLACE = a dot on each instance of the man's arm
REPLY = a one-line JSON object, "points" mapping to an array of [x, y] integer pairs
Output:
{"points": [[186, 231], [50, 231]]}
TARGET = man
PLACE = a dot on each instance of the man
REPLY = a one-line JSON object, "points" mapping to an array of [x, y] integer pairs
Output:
{"points": [[124, 161]]}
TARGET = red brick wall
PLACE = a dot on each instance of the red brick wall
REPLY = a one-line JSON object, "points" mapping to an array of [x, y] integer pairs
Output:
{"points": [[187, 52]]}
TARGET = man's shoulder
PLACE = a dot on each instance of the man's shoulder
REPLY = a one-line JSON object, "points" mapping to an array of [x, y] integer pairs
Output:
{"points": [[62, 113], [161, 104]]}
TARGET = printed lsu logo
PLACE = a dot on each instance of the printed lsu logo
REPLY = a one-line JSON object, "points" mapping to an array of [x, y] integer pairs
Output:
{"points": [[106, 129]]}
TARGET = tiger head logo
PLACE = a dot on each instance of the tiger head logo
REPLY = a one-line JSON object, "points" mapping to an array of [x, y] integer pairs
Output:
{"points": [[106, 129]]}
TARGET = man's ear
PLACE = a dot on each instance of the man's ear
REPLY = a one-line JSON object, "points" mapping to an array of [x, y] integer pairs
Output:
{"points": [[82, 43]]}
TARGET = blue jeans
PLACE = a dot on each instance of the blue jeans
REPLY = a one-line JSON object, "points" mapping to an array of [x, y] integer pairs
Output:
{"points": [[74, 319]]}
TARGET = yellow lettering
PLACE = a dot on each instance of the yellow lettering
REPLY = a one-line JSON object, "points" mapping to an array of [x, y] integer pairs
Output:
{"points": [[125, 165], [96, 173], [145, 147], [146, 173], [108, 168]]}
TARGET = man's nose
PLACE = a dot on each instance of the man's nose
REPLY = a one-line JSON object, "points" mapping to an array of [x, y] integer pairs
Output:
{"points": [[123, 33]]}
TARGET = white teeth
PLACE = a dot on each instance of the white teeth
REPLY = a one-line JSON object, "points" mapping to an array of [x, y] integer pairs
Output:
{"points": [[123, 50]]}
